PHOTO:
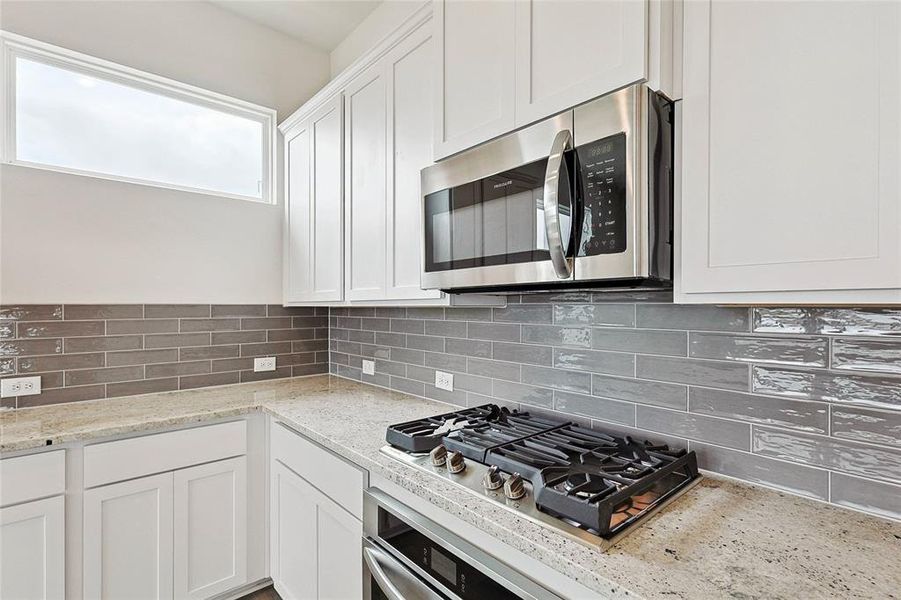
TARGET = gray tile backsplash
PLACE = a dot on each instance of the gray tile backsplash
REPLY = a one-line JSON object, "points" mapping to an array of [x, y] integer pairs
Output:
{"points": [[805, 400], [91, 351]]}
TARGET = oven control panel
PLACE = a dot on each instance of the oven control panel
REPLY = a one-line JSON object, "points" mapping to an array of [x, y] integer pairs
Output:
{"points": [[602, 174]]}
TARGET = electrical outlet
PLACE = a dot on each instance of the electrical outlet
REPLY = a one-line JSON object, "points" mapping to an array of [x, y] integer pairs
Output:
{"points": [[266, 363], [444, 381], [20, 386], [368, 367]]}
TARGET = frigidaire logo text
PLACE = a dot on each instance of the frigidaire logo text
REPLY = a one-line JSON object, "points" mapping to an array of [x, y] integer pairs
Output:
{"points": [[503, 184]]}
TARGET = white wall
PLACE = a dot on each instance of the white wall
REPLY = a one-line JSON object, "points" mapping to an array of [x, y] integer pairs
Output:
{"points": [[67, 238], [380, 22]]}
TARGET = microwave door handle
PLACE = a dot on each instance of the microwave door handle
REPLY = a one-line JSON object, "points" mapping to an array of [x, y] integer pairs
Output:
{"points": [[562, 142], [374, 559]]}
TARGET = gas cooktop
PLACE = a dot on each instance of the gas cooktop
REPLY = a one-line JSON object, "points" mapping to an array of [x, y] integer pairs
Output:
{"points": [[591, 484]]}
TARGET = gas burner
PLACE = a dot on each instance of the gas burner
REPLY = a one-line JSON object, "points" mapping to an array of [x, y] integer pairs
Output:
{"points": [[585, 485]]}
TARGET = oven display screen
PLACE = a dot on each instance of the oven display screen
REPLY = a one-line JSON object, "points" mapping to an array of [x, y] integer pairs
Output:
{"points": [[444, 566]]}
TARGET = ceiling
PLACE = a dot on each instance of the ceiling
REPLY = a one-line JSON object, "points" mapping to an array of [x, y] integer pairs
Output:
{"points": [[320, 23]]}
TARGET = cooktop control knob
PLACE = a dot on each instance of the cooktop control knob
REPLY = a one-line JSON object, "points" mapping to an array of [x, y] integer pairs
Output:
{"points": [[455, 463], [492, 479], [438, 456], [514, 488]]}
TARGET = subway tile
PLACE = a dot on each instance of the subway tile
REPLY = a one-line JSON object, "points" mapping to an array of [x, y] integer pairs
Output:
{"points": [[572, 381], [266, 349], [79, 312], [170, 311], [60, 362], [425, 342], [455, 397], [839, 455], [658, 296], [883, 499], [764, 410], [177, 369], [360, 311], [613, 315], [473, 383], [695, 427], [879, 355], [207, 352], [309, 345], [142, 326], [557, 298], [475, 348], [196, 381], [391, 312], [108, 375], [413, 357], [276, 310], [279, 373], [239, 337], [176, 340], [355, 335], [103, 343], [348, 322], [148, 386], [598, 408], [495, 332], [875, 390], [523, 353], [44, 329], [700, 318], [425, 312], [284, 335], [553, 335], [424, 374], [789, 477], [63, 395], [455, 329], [445, 362], [397, 340], [231, 364], [30, 347], [238, 310], [348, 372], [391, 368], [355, 361], [349, 347], [462, 313], [596, 361], [667, 395], [379, 379], [196, 325], [523, 394], [265, 323], [31, 312], [376, 324], [7, 330], [493, 369], [831, 321], [7, 366], [141, 357], [298, 322], [867, 425], [407, 326], [408, 386], [642, 341], [311, 369], [694, 371], [525, 313], [372, 351], [322, 357], [297, 358], [805, 351]]}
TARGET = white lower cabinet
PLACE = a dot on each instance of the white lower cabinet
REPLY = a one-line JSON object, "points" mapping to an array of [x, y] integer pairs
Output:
{"points": [[32, 550], [316, 546], [210, 528]]}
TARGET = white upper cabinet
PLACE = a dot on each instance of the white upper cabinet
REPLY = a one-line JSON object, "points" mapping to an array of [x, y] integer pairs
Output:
{"points": [[570, 51], [791, 132], [314, 204], [474, 82]]}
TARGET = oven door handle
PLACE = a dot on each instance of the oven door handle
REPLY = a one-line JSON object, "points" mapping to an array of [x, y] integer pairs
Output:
{"points": [[562, 265], [416, 589]]}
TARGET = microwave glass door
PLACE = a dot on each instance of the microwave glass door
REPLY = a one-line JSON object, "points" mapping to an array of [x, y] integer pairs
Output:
{"points": [[498, 220]]}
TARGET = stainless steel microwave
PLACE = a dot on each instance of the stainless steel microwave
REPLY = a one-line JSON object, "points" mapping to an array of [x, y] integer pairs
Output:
{"points": [[581, 200]]}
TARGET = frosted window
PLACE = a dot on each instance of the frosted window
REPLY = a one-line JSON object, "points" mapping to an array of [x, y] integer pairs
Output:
{"points": [[68, 119]]}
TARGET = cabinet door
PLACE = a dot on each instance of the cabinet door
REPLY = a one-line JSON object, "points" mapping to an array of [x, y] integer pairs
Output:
{"points": [[570, 51], [365, 110], [32, 550], [326, 240], [298, 252], [210, 521], [128, 539], [791, 138], [315, 545], [474, 79], [408, 70]]}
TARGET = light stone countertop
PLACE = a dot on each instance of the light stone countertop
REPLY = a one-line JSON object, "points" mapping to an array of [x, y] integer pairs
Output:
{"points": [[720, 539]]}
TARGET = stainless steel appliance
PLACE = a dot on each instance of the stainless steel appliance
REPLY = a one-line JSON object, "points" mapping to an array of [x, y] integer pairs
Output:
{"points": [[410, 557], [580, 200]]}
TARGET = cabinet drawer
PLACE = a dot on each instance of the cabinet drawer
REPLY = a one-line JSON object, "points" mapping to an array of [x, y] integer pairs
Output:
{"points": [[135, 457], [337, 478], [32, 476]]}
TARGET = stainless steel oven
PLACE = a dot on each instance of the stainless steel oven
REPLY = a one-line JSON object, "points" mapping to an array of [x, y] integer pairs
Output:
{"points": [[582, 199], [410, 557]]}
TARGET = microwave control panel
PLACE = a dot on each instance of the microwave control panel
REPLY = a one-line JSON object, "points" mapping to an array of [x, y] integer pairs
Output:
{"points": [[602, 174]]}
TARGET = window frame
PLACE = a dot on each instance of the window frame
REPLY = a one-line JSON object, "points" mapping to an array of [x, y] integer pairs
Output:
{"points": [[13, 46]]}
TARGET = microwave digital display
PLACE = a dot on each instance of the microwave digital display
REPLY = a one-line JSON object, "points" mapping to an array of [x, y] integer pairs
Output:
{"points": [[602, 177]]}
